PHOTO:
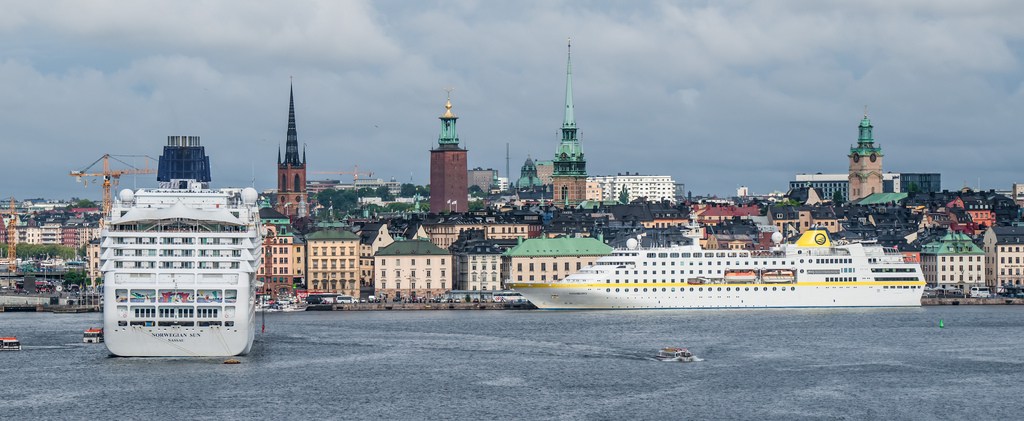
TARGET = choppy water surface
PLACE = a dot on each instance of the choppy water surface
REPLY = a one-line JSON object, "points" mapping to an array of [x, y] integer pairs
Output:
{"points": [[778, 364]]}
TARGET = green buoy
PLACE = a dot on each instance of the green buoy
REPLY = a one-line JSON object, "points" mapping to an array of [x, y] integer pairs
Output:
{"points": [[941, 325]]}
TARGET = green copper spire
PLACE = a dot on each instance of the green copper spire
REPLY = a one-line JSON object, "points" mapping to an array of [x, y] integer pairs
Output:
{"points": [[865, 129], [570, 119], [569, 156], [448, 136], [865, 140]]}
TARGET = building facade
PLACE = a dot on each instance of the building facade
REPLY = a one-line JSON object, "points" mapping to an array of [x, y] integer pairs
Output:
{"points": [[954, 262], [292, 200], [333, 256], [865, 173], [411, 270], [449, 189], [654, 187], [569, 179], [482, 178], [1004, 256], [551, 259]]}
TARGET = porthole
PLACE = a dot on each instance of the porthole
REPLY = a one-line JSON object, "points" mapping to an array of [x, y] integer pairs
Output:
{"points": [[792, 288], [719, 288], [691, 289], [773, 288], [645, 289], [608, 290], [746, 288], [616, 290], [673, 290], [636, 289], [701, 289], [663, 290], [727, 289]]}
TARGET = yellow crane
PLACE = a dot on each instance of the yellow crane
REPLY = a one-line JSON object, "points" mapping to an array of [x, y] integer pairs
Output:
{"points": [[111, 176], [354, 173], [12, 240]]}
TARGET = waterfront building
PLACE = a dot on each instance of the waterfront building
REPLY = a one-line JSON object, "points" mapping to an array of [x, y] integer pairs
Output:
{"points": [[551, 259], [92, 253], [277, 268], [477, 263], [412, 269], [569, 179], [449, 190], [654, 188], [333, 261], [1004, 256], [865, 173], [953, 262], [292, 200], [372, 237]]}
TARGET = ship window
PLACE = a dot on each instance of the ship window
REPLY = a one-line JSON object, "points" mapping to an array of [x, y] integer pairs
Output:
{"points": [[691, 289], [701, 289], [663, 290], [719, 288], [746, 288], [792, 288], [636, 289], [773, 288], [608, 290]]}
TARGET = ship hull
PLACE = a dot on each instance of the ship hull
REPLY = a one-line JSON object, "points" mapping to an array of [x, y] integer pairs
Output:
{"points": [[554, 296]]}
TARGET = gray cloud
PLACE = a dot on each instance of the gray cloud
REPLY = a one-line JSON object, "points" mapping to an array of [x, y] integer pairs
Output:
{"points": [[720, 95]]}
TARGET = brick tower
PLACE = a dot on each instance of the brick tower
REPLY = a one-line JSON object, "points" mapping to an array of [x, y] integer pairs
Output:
{"points": [[569, 178], [291, 173], [449, 184]]}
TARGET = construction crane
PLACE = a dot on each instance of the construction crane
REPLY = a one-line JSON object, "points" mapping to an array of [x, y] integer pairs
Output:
{"points": [[111, 177], [354, 173], [12, 241]]}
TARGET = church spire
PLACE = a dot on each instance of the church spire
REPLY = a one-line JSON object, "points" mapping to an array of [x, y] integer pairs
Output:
{"points": [[291, 155], [570, 119]]}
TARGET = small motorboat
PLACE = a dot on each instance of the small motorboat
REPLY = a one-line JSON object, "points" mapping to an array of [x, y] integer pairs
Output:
{"points": [[10, 344], [93, 335], [675, 354]]}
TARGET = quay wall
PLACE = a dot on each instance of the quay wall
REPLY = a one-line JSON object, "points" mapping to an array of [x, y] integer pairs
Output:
{"points": [[933, 301]]}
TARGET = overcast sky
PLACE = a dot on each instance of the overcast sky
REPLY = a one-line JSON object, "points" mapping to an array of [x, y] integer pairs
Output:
{"points": [[717, 96]]}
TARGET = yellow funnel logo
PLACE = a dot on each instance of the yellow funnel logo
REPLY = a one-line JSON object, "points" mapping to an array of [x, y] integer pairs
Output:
{"points": [[814, 238]]}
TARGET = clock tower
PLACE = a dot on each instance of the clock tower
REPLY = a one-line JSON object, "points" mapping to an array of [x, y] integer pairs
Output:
{"points": [[865, 164]]}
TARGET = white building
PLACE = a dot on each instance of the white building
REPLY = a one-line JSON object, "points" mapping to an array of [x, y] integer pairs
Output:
{"points": [[653, 187]]}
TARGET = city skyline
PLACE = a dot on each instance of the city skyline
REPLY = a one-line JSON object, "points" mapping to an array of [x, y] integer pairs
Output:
{"points": [[715, 96]]}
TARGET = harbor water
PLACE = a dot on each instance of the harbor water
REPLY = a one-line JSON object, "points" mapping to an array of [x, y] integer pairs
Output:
{"points": [[757, 364]]}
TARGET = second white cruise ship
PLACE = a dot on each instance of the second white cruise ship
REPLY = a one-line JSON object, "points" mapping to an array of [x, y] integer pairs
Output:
{"points": [[179, 262], [811, 273]]}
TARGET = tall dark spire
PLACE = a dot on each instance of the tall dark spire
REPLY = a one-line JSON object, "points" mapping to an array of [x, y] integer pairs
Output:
{"points": [[291, 155]]}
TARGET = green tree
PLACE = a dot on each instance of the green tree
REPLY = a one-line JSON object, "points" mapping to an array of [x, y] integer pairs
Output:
{"points": [[913, 188], [407, 190], [367, 192], [423, 191], [838, 198], [76, 277], [384, 194], [83, 203], [624, 195], [475, 191], [476, 205]]}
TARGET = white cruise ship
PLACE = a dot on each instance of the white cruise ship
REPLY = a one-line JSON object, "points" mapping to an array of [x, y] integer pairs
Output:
{"points": [[179, 263], [814, 272]]}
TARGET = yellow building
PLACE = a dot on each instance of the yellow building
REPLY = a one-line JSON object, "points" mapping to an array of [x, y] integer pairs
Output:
{"points": [[333, 262]]}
